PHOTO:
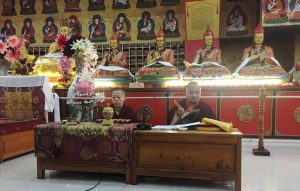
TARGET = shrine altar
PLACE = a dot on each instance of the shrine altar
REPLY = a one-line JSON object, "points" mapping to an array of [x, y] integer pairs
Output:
{"points": [[86, 147]]}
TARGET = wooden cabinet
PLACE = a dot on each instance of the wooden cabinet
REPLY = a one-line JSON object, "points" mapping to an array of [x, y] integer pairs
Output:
{"points": [[188, 154]]}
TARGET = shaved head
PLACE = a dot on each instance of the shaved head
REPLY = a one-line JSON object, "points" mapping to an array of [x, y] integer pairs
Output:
{"points": [[193, 93]]}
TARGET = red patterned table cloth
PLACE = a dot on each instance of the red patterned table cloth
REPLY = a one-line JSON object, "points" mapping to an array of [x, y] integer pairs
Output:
{"points": [[92, 143]]}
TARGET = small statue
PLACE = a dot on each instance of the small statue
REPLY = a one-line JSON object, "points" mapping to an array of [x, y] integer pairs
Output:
{"points": [[208, 53], [64, 30], [115, 57], [207, 62], [259, 59], [159, 64], [160, 53], [258, 53], [114, 63], [108, 113]]}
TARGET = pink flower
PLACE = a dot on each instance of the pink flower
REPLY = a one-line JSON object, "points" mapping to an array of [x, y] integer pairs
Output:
{"points": [[86, 88], [11, 55], [14, 41], [3, 47]]}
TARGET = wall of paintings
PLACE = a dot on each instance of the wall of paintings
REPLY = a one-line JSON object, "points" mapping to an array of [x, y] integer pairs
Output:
{"points": [[238, 18], [134, 20], [280, 12]]}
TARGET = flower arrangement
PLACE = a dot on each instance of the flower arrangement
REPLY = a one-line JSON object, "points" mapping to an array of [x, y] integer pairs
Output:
{"points": [[66, 72], [78, 47], [14, 51]]}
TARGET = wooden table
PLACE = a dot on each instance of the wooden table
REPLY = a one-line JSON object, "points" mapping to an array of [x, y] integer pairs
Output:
{"points": [[188, 154]]}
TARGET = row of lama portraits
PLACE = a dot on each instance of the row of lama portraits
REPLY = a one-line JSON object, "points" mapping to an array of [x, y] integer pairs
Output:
{"points": [[50, 6], [97, 27]]}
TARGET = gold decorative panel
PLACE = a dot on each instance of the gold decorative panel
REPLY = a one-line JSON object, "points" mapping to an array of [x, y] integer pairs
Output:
{"points": [[246, 113]]}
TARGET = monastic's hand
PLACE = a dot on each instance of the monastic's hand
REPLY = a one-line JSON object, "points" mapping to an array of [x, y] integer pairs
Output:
{"points": [[180, 112], [254, 57], [156, 55]]}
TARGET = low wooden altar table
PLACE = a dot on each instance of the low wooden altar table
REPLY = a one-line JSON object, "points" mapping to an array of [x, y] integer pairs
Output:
{"points": [[188, 154], [94, 149]]}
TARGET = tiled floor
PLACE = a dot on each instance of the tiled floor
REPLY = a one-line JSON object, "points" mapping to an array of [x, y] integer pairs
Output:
{"points": [[279, 172]]}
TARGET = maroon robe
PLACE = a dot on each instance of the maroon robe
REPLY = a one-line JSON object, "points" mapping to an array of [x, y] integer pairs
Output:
{"points": [[28, 33], [205, 110]]}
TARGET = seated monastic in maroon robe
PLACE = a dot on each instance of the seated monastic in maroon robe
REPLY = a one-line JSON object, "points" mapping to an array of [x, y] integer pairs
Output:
{"points": [[205, 110]]}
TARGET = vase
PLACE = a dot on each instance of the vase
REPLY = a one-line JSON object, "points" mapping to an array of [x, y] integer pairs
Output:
{"points": [[3, 67], [86, 110], [79, 62]]}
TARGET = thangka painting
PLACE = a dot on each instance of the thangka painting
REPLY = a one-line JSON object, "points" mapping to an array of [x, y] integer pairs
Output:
{"points": [[72, 5], [169, 2], [27, 7], [75, 25], [275, 11], [8, 29], [294, 9], [49, 30], [170, 24], [96, 5], [146, 26], [122, 27], [49, 6], [8, 8], [28, 30], [97, 29], [237, 21], [120, 4], [146, 3]]}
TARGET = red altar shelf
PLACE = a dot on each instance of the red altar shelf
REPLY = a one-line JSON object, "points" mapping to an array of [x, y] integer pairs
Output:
{"points": [[282, 115]]}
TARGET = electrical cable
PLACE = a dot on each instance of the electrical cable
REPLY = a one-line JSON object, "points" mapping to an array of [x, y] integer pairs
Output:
{"points": [[94, 185]]}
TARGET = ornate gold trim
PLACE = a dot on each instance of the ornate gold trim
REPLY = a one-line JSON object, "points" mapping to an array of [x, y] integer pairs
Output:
{"points": [[145, 113], [246, 113], [297, 115]]}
